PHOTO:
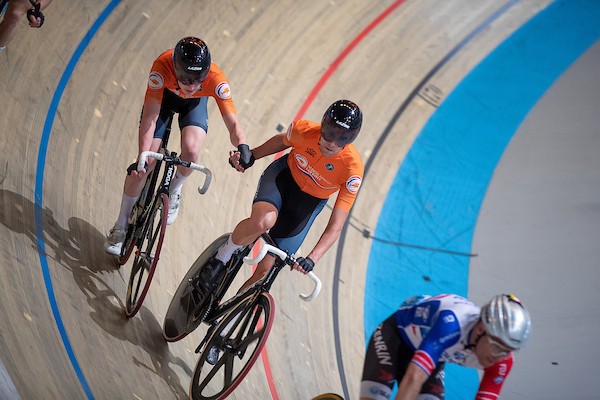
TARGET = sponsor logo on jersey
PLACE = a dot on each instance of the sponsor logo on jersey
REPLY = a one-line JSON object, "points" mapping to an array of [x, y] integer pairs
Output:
{"points": [[155, 81], [312, 152], [422, 312], [498, 380], [302, 162], [353, 184], [317, 178], [329, 167], [449, 319], [381, 350], [223, 91], [379, 391], [451, 336]]}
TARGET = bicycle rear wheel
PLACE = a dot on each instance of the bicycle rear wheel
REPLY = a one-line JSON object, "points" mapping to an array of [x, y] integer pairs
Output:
{"points": [[240, 337], [147, 255], [187, 303]]}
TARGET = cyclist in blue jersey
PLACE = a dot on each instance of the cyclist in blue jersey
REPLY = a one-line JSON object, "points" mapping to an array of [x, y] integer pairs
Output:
{"points": [[413, 344]]}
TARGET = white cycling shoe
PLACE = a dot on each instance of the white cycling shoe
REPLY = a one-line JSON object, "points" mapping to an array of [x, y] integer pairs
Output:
{"points": [[174, 201], [114, 241]]}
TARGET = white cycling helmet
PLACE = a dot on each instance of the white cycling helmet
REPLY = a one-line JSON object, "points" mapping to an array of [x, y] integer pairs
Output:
{"points": [[506, 318]]}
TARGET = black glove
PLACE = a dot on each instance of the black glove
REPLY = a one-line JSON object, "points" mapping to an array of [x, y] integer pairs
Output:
{"points": [[35, 12], [133, 167], [306, 263], [246, 156]]}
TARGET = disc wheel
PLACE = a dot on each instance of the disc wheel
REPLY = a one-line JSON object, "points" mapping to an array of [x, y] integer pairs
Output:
{"points": [[239, 338], [147, 255], [188, 306]]}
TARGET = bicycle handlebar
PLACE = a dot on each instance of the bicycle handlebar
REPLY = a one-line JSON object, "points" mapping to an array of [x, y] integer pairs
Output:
{"points": [[197, 167], [267, 248]]}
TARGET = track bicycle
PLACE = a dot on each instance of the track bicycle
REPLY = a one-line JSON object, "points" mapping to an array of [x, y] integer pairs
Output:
{"points": [[239, 326], [148, 222]]}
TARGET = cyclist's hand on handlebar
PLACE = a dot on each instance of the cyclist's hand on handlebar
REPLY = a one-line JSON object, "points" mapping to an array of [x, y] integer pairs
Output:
{"points": [[304, 265], [132, 171]]}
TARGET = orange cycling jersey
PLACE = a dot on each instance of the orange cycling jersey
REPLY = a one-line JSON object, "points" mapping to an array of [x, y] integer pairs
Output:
{"points": [[322, 176], [162, 76]]}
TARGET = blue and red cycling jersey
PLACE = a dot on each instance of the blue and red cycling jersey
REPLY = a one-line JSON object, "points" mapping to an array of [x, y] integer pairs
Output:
{"points": [[438, 329]]}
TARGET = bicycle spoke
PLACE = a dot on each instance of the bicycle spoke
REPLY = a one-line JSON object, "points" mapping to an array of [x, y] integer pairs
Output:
{"points": [[240, 337]]}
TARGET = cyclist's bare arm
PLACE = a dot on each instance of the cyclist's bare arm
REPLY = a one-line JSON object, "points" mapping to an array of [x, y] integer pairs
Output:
{"points": [[148, 126], [236, 133], [330, 235], [411, 383], [273, 145]]}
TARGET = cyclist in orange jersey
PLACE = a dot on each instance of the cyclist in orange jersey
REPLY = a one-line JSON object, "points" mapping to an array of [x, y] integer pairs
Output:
{"points": [[181, 81], [293, 190]]}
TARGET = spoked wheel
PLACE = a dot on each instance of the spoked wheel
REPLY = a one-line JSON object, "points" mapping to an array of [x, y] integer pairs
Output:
{"points": [[239, 338], [147, 255]]}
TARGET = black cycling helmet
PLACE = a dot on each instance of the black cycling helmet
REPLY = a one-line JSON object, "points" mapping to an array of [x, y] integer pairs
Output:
{"points": [[341, 122], [191, 60]]}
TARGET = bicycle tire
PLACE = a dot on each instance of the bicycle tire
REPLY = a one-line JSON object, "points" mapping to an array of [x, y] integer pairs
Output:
{"points": [[179, 319], [146, 259], [128, 245], [241, 334], [135, 226]]}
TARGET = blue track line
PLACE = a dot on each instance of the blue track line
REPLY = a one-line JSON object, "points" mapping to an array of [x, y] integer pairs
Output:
{"points": [[39, 186]]}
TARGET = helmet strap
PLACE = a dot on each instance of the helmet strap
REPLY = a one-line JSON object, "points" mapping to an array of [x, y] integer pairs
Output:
{"points": [[473, 345]]}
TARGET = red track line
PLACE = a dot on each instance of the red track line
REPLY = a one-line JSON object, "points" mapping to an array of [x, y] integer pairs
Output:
{"points": [[311, 97]]}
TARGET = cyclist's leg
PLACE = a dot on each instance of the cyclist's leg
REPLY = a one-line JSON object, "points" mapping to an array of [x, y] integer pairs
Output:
{"points": [[15, 12], [193, 123], [265, 209], [134, 183], [385, 362], [266, 204]]}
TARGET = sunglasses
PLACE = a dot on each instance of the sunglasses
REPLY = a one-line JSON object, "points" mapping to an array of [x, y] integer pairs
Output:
{"points": [[497, 348], [189, 80], [331, 136]]}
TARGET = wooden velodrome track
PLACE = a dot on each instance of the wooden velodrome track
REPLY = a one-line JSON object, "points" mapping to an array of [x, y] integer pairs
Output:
{"points": [[56, 281]]}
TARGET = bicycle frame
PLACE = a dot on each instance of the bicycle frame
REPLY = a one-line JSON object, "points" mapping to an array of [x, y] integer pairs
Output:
{"points": [[145, 232], [261, 286], [239, 328]]}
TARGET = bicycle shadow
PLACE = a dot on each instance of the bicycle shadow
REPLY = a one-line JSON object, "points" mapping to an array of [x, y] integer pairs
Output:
{"points": [[143, 331], [79, 249], [78, 246]]}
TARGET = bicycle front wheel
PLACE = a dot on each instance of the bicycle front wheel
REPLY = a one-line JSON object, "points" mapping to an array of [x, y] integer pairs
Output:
{"points": [[147, 255], [239, 338]]}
